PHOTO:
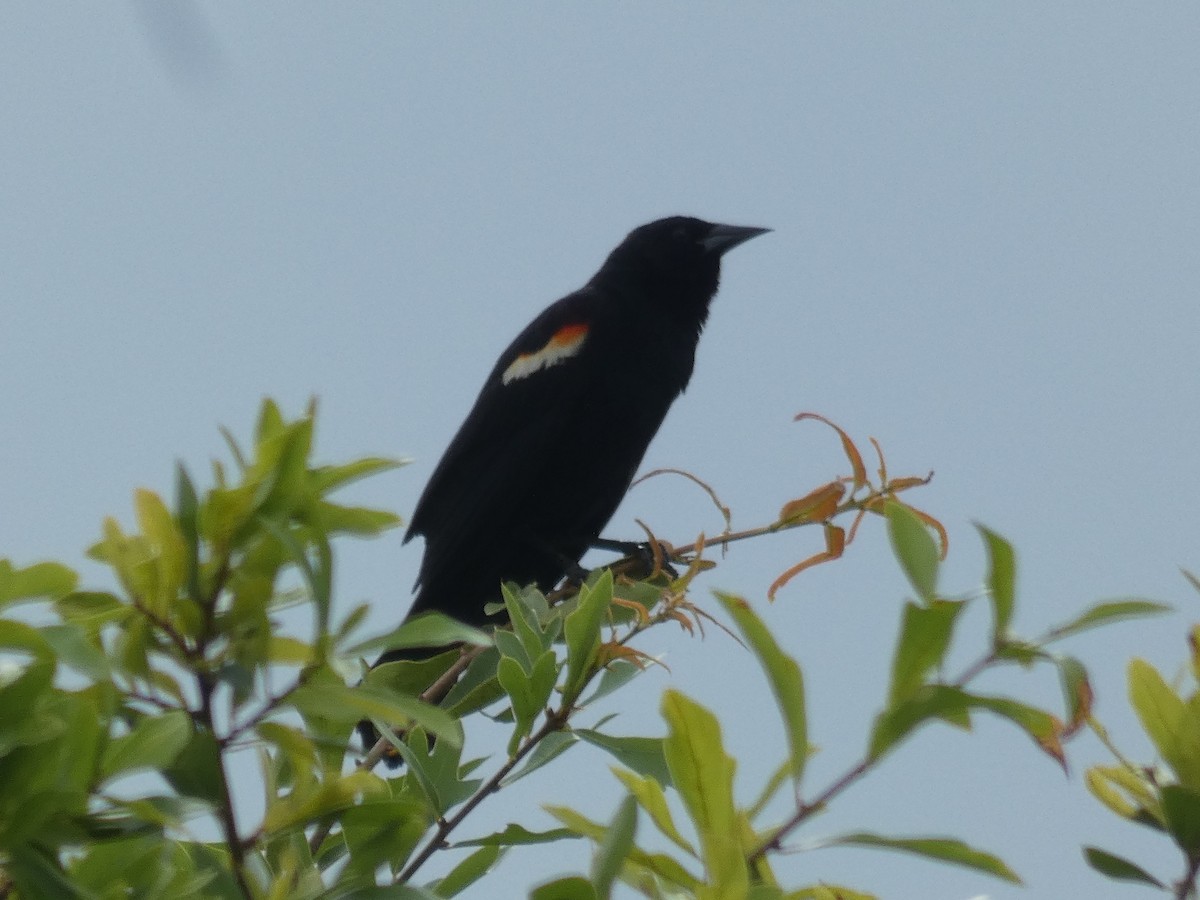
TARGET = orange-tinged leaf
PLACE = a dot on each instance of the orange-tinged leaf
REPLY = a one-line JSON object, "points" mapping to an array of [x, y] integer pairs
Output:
{"points": [[639, 611], [896, 485], [943, 537], [815, 560], [612, 651], [815, 506], [835, 539], [883, 479], [851, 451]]}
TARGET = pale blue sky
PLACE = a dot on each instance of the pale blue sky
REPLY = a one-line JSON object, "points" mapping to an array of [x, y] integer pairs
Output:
{"points": [[985, 254]]}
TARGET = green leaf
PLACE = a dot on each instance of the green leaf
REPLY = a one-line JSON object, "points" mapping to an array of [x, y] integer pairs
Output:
{"points": [[470, 870], [339, 703], [1127, 793], [573, 887], [949, 704], [326, 478], [432, 629], [154, 743], [1118, 868], [783, 674], [47, 579], [518, 685], [658, 864], [168, 549], [1001, 580], [1166, 719], [617, 843], [582, 630], [616, 675], [1181, 807], [924, 639], [702, 773], [361, 521], [1109, 611], [518, 836], [914, 548], [71, 645], [948, 850], [1077, 689], [196, 770], [642, 754], [523, 625], [653, 800], [548, 749]]}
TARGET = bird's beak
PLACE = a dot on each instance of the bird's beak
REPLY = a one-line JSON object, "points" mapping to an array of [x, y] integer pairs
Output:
{"points": [[724, 238]]}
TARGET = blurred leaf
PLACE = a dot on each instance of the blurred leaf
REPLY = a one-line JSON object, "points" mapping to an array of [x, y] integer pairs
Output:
{"points": [[1077, 691], [1001, 579], [1166, 719], [470, 870], [1110, 611], [153, 743], [831, 892], [914, 548], [326, 478], [339, 703], [71, 645], [382, 831], [357, 520], [187, 511], [432, 629], [35, 874], [517, 835], [783, 674], [924, 639], [47, 579], [618, 842], [1131, 795], [659, 864], [1181, 807], [289, 651], [93, 608], [196, 769], [642, 754], [573, 887], [168, 551], [1118, 868], [650, 796], [948, 850], [702, 773]]}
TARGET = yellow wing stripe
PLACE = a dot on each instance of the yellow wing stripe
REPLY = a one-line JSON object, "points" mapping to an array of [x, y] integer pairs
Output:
{"points": [[565, 343]]}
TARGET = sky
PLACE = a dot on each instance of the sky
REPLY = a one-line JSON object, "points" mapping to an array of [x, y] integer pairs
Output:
{"points": [[986, 220]]}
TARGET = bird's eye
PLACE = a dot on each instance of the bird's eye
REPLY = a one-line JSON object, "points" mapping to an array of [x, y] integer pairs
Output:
{"points": [[679, 233]]}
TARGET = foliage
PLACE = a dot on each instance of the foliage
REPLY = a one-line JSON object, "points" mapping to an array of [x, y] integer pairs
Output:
{"points": [[223, 640], [1163, 796]]}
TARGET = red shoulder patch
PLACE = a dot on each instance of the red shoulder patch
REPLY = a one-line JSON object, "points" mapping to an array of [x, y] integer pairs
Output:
{"points": [[563, 344]]}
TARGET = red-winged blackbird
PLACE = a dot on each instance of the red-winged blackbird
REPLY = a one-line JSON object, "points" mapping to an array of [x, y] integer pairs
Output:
{"points": [[557, 433]]}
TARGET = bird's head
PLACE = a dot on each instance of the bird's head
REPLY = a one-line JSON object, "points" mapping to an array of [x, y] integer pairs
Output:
{"points": [[675, 262]]}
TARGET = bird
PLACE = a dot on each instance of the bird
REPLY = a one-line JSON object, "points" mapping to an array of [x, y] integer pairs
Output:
{"points": [[563, 420]]}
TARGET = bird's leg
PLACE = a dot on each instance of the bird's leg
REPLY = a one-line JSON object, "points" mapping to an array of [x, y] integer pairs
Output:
{"points": [[645, 552]]}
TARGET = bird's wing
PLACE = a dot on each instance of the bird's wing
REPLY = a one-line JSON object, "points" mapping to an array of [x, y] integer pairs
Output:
{"points": [[512, 428]]}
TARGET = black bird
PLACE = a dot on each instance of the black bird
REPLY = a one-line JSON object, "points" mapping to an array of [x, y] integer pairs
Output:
{"points": [[556, 435]]}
